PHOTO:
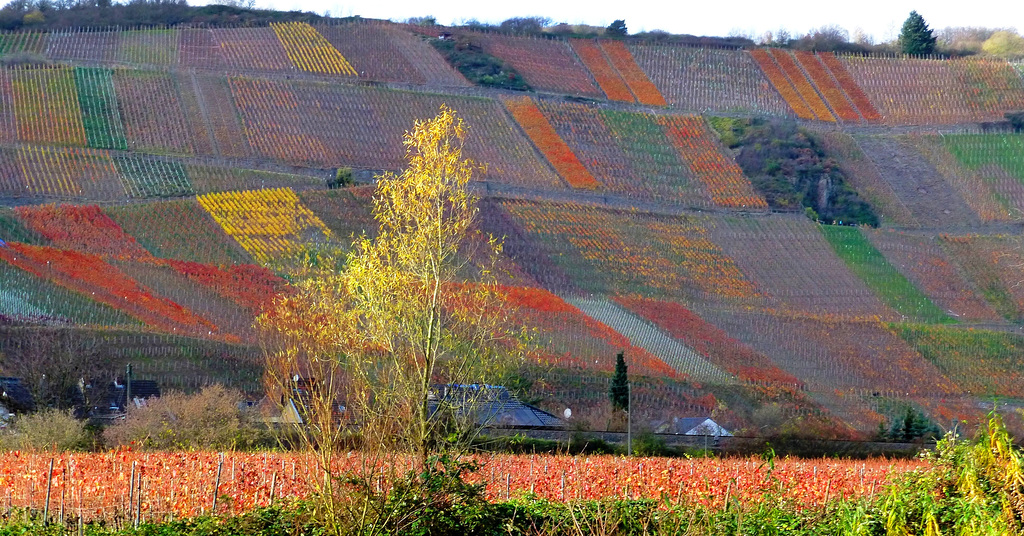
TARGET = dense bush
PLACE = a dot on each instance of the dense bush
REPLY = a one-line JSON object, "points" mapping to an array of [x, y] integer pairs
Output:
{"points": [[208, 420], [50, 429], [791, 170]]}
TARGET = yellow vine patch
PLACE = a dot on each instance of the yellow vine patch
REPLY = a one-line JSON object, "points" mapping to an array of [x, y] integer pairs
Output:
{"points": [[270, 224], [311, 51]]}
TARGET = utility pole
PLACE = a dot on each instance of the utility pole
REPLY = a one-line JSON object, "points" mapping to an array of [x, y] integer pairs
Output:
{"points": [[127, 386]]}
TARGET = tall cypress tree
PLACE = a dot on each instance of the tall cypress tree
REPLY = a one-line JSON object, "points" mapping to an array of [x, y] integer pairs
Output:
{"points": [[619, 391], [916, 37]]}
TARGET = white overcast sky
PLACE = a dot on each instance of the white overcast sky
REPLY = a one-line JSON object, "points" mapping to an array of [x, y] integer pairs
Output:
{"points": [[880, 19]]}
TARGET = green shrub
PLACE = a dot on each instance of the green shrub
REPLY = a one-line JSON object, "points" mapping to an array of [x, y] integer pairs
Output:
{"points": [[49, 430]]}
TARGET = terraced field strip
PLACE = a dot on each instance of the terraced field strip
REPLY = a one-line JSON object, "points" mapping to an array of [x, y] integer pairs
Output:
{"points": [[545, 64], [707, 79], [645, 335], [543, 135], [69, 173], [834, 95], [845, 364], [157, 46], [991, 85], [979, 150], [872, 267], [641, 86], [272, 120], [934, 91], [145, 178], [985, 363], [252, 49], [13, 230], [654, 156], [98, 102], [89, 275], [790, 261], [781, 83], [991, 192], [850, 87], [426, 59], [83, 228], [371, 46], [722, 177], [991, 265], [617, 252], [24, 41], [922, 260], [932, 201], [235, 323], [197, 47], [30, 297], [709, 341], [179, 229], [152, 112], [310, 51], [213, 95], [272, 224], [866, 179], [46, 106], [802, 85], [78, 44], [12, 181], [570, 339], [607, 77]]}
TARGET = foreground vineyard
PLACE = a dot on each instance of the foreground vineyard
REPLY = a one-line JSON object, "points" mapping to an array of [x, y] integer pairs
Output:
{"points": [[119, 484]]}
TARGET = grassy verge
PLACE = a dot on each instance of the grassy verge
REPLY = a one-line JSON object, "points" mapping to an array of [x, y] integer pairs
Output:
{"points": [[872, 267]]}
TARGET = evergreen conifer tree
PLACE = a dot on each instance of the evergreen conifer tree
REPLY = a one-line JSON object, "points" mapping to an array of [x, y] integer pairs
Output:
{"points": [[619, 391], [916, 37]]}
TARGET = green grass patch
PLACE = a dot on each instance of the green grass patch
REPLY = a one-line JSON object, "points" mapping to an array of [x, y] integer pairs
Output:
{"points": [[30, 42], [983, 362], [100, 118], [12, 230], [644, 140], [977, 150], [872, 267], [179, 229], [148, 177], [36, 294]]}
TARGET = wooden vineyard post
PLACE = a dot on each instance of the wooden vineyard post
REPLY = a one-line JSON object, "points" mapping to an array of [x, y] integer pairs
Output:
{"points": [[273, 482], [46, 506], [216, 485]]}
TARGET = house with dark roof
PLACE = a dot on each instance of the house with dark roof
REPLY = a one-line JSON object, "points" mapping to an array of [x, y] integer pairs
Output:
{"points": [[14, 397], [492, 406], [110, 401]]}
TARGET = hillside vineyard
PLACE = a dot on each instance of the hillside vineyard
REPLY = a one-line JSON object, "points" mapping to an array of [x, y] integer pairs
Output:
{"points": [[156, 186]]}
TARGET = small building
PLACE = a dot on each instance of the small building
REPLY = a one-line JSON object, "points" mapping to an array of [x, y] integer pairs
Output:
{"points": [[110, 401], [694, 426], [493, 407], [14, 398]]}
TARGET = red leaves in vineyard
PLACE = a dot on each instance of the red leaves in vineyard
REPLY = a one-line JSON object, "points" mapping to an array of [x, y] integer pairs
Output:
{"points": [[99, 486], [90, 275]]}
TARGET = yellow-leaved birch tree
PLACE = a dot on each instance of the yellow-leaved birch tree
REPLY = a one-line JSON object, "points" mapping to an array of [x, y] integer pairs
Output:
{"points": [[387, 330]]}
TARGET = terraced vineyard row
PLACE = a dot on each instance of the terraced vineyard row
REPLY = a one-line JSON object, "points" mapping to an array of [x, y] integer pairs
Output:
{"points": [[924, 91], [53, 173]]}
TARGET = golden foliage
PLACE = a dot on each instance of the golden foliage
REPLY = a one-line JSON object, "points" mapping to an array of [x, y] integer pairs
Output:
{"points": [[381, 330]]}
